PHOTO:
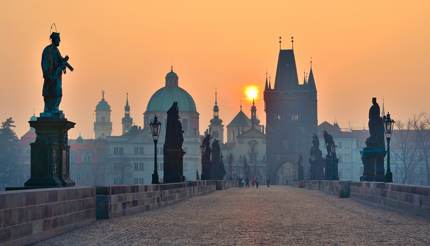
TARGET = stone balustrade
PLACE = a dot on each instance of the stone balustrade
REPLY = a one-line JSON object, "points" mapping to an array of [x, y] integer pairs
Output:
{"points": [[113, 201], [405, 198], [28, 216]]}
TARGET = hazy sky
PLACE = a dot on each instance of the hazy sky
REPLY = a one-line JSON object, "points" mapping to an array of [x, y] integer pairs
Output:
{"points": [[360, 49]]}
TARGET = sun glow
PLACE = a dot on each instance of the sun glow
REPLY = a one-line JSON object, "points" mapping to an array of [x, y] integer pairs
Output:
{"points": [[251, 92]]}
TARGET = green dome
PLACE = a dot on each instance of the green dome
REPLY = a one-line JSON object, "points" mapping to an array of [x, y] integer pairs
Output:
{"points": [[163, 99]]}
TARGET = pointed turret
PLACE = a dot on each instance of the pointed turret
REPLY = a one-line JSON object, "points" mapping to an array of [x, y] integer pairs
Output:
{"points": [[266, 86], [254, 120], [286, 71], [311, 80], [127, 121]]}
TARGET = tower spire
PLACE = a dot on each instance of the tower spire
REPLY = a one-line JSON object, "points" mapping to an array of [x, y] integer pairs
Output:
{"points": [[103, 95], [280, 42], [216, 97], [292, 42], [266, 86]]}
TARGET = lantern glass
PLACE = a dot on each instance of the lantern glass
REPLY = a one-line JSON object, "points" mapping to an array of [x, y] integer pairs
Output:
{"points": [[155, 128]]}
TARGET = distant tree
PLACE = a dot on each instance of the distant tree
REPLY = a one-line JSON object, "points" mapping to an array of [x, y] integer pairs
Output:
{"points": [[217, 167], [408, 150], [421, 125], [10, 152]]}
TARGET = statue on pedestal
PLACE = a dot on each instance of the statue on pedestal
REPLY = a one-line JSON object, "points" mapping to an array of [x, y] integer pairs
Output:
{"points": [[173, 152], [331, 169], [50, 153], [316, 160], [373, 154]]}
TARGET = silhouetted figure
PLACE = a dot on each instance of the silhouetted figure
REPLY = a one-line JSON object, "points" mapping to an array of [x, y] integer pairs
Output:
{"points": [[268, 182], [316, 161], [331, 169], [53, 65], [217, 165], [206, 157], [373, 155], [173, 153]]}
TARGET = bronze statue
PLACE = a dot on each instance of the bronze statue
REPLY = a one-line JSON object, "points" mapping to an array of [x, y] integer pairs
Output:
{"points": [[316, 160], [53, 65], [331, 167]]}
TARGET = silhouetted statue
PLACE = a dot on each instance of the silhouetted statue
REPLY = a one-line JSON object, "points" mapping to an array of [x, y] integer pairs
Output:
{"points": [[206, 157], [316, 161], [373, 155], [173, 153], [53, 65], [217, 167], [331, 168], [50, 152]]}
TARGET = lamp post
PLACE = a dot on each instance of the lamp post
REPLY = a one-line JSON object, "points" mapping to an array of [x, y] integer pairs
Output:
{"points": [[388, 123], [155, 130]]}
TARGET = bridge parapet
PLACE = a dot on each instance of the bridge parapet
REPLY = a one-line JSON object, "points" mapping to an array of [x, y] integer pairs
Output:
{"points": [[28, 216], [406, 198], [114, 201]]}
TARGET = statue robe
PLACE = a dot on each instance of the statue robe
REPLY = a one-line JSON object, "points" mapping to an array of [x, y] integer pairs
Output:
{"points": [[51, 67]]}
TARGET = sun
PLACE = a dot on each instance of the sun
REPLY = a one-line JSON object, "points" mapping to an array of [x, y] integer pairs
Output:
{"points": [[251, 92]]}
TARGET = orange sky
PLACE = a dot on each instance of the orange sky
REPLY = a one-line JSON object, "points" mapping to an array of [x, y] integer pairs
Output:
{"points": [[360, 49]]}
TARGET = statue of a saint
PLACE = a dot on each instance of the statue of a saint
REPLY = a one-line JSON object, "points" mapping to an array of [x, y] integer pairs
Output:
{"points": [[376, 126], [53, 65], [329, 143]]}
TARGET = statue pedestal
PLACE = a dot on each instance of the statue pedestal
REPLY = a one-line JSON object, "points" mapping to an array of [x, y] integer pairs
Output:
{"points": [[50, 153], [331, 170], [373, 164]]}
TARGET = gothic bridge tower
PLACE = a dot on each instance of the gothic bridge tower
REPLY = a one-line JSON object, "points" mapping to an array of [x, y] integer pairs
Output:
{"points": [[291, 116]]}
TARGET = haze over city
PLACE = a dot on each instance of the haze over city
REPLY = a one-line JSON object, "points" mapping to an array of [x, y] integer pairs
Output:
{"points": [[359, 50]]}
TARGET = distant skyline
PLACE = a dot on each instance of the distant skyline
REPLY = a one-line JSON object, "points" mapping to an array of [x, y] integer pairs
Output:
{"points": [[359, 50]]}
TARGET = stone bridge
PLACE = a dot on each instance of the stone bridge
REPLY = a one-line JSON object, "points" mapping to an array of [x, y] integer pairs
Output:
{"points": [[276, 215]]}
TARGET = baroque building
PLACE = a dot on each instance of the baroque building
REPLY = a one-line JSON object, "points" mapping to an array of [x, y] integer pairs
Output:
{"points": [[129, 157], [291, 116], [103, 124], [216, 128], [127, 121]]}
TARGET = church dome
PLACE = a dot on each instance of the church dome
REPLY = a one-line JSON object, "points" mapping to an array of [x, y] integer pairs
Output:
{"points": [[163, 99]]}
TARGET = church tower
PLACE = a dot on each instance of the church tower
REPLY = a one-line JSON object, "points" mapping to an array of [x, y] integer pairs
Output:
{"points": [[127, 121], [291, 115], [216, 128], [103, 124]]}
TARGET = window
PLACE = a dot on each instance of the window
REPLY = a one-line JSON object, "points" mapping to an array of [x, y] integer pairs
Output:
{"points": [[295, 116], [138, 150], [138, 166], [118, 150]]}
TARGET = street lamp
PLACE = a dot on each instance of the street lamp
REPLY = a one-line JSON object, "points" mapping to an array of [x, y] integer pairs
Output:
{"points": [[388, 124], [155, 130]]}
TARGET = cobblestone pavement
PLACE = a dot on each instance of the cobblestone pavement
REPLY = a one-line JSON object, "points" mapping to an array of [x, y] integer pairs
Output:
{"points": [[268, 216]]}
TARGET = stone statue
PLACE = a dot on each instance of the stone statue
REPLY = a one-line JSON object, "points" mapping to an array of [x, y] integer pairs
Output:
{"points": [[376, 126], [316, 161], [173, 153], [329, 143], [373, 154], [331, 167], [53, 65]]}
